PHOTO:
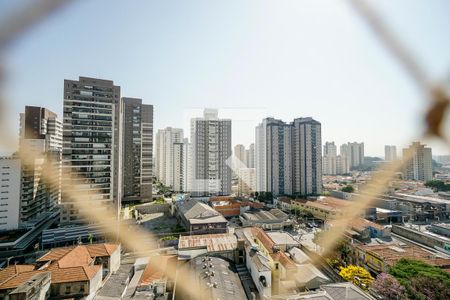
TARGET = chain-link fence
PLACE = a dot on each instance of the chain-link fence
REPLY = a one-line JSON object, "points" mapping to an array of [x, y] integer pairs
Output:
{"points": [[18, 22]]}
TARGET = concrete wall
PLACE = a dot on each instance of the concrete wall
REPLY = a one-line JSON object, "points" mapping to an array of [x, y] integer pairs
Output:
{"points": [[153, 208], [114, 264], [418, 236]]}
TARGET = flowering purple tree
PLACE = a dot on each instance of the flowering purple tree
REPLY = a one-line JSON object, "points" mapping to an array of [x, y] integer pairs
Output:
{"points": [[388, 287]]}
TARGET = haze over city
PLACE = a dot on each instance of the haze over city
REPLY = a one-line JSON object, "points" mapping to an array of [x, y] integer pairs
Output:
{"points": [[281, 59]]}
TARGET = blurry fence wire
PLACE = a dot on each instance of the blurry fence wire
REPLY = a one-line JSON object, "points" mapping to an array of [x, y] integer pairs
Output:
{"points": [[13, 27]]}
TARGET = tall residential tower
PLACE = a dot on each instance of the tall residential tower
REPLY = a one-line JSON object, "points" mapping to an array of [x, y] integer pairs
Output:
{"points": [[91, 145], [137, 160]]}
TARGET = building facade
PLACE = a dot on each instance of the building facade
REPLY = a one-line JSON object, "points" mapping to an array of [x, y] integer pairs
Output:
{"points": [[92, 145], [10, 188], [288, 157], [40, 145], [211, 148], [390, 153], [137, 160], [251, 156], [165, 141], [354, 154], [240, 153], [307, 156], [419, 164], [329, 163], [246, 181]]}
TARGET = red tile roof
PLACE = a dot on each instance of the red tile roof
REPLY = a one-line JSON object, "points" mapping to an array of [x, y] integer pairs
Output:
{"points": [[11, 271], [75, 274], [267, 242], [19, 279], [284, 260], [101, 249], [157, 268]]}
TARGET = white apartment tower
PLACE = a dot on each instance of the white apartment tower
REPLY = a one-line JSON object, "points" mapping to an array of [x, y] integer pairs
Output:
{"points": [[92, 145], [211, 148], [353, 153], [329, 161], [390, 153], [10, 188], [137, 154], [165, 156], [420, 165]]}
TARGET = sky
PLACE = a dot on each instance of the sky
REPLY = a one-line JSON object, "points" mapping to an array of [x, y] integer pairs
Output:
{"points": [[249, 58]]}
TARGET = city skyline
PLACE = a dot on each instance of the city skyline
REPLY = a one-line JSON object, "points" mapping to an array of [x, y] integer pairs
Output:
{"points": [[283, 86]]}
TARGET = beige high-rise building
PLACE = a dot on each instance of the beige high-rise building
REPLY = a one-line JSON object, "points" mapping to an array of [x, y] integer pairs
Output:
{"points": [[240, 153], [246, 181], [251, 156], [420, 165], [329, 163]]}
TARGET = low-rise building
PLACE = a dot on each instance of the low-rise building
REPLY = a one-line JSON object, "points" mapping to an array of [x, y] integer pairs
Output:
{"points": [[231, 207], [158, 277], [379, 258], [75, 272], [273, 219], [219, 244], [364, 229], [211, 277], [275, 271], [200, 218]]}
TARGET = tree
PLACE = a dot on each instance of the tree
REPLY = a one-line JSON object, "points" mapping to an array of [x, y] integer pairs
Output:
{"points": [[388, 287], [421, 280], [357, 275], [438, 185], [348, 189], [431, 288]]}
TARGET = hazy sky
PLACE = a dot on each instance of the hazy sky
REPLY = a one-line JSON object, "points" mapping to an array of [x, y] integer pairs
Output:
{"points": [[250, 59]]}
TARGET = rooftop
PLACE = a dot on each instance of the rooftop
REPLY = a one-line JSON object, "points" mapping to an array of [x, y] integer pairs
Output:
{"points": [[212, 242], [224, 283], [390, 254], [158, 268], [198, 212]]}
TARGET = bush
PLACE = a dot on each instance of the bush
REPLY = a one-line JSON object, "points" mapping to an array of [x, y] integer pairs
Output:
{"points": [[348, 189], [421, 280]]}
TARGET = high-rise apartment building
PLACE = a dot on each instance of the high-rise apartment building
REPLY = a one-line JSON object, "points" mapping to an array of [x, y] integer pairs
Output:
{"points": [[211, 148], [390, 153], [187, 166], [240, 153], [273, 150], [10, 190], [165, 156], [250, 153], [246, 181], [91, 145], [329, 161], [178, 167], [354, 154], [342, 166], [40, 145], [307, 156], [137, 158], [288, 157], [419, 164]]}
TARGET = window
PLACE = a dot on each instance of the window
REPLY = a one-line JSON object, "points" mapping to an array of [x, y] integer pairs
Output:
{"points": [[67, 290], [82, 289]]}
